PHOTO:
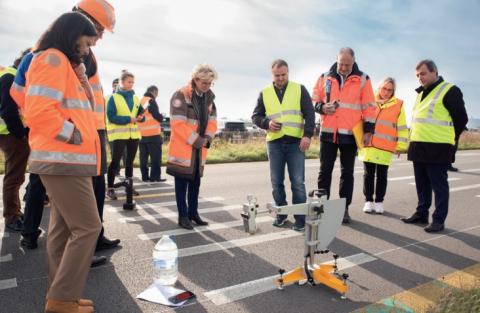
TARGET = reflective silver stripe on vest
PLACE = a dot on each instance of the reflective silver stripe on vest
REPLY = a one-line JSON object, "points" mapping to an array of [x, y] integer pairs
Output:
{"points": [[66, 132], [432, 121], [369, 119], [192, 138], [96, 87], [293, 125], [327, 130], [276, 115], [351, 106], [99, 108], [431, 106], [178, 118], [2, 122], [119, 130], [179, 161], [192, 121], [63, 157], [42, 91], [76, 104], [401, 139], [403, 127], [18, 87], [386, 137], [344, 131], [363, 81], [292, 112], [386, 123]]}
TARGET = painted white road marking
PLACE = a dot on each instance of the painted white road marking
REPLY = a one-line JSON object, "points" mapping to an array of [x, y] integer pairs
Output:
{"points": [[168, 213], [8, 283], [449, 179], [199, 229], [5, 258], [401, 178], [111, 208]]}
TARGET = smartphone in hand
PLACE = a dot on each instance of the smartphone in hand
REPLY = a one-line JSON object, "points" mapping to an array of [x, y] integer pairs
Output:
{"points": [[182, 297]]}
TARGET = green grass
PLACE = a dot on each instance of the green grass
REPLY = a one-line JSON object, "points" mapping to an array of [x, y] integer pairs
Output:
{"points": [[255, 150], [459, 301]]}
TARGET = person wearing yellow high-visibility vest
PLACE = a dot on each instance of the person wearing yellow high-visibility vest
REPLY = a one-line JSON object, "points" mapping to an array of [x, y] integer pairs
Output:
{"points": [[284, 108], [123, 113], [14, 145], [389, 137], [438, 119]]}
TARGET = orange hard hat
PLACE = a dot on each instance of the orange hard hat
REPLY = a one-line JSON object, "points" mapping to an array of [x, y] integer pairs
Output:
{"points": [[100, 10]]}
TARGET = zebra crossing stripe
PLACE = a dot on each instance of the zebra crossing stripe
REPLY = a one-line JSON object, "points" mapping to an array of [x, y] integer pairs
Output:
{"points": [[8, 283], [5, 258], [111, 208]]}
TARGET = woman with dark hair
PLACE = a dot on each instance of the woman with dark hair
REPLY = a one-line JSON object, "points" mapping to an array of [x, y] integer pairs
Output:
{"points": [[123, 113], [65, 153]]}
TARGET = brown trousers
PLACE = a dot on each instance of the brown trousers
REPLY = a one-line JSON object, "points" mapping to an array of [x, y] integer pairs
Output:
{"points": [[16, 153], [72, 234]]}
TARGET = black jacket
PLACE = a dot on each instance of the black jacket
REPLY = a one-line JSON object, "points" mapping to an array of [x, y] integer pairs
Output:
{"points": [[429, 152], [9, 109], [153, 109], [260, 119]]}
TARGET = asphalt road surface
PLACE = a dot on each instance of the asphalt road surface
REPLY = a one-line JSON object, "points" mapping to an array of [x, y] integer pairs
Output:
{"points": [[232, 271]]}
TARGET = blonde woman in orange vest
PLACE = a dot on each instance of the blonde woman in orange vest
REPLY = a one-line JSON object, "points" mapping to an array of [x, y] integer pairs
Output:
{"points": [[193, 118], [390, 136], [151, 142], [65, 152]]}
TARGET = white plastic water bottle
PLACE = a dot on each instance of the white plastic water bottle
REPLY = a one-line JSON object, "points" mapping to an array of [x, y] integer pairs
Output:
{"points": [[165, 261]]}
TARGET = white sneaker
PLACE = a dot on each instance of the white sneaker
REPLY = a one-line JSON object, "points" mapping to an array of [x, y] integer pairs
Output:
{"points": [[378, 206], [368, 207]]}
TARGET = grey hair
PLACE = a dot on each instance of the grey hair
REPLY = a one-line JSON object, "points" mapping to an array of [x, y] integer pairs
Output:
{"points": [[204, 72], [347, 50], [279, 63], [432, 67]]}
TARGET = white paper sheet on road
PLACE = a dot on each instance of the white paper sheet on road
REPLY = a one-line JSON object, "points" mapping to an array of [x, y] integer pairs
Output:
{"points": [[160, 294]]}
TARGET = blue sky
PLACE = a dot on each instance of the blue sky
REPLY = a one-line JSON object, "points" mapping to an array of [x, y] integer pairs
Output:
{"points": [[161, 41]]}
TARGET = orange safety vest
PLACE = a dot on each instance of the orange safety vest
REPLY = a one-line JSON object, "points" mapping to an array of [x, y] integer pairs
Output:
{"points": [[184, 133], [149, 127], [356, 101], [386, 134], [99, 109], [55, 105]]}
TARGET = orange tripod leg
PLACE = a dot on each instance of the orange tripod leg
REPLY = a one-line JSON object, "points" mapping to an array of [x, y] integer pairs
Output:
{"points": [[291, 277], [323, 276]]}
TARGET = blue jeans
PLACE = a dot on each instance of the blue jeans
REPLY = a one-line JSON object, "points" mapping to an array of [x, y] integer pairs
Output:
{"points": [[279, 155], [182, 187]]}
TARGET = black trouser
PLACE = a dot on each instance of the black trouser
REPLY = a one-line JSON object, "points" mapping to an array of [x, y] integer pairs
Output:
{"points": [[99, 181], [369, 181], [186, 196], [124, 157], [428, 177], [328, 155], [152, 150], [118, 147], [34, 202]]}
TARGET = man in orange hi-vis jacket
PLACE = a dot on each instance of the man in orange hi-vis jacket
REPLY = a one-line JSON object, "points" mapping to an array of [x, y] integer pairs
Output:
{"points": [[343, 97]]}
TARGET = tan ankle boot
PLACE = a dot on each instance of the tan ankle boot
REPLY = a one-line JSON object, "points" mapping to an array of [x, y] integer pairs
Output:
{"points": [[85, 302], [55, 306]]}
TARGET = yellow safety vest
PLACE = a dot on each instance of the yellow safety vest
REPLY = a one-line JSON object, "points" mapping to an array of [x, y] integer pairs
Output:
{"points": [[431, 121], [3, 126], [288, 112], [127, 131]]}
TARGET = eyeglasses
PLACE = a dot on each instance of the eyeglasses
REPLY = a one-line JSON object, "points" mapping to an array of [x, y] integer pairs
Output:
{"points": [[99, 28]]}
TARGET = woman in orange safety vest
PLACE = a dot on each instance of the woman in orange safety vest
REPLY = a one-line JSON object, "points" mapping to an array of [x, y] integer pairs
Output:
{"points": [[65, 152], [390, 136], [193, 120]]}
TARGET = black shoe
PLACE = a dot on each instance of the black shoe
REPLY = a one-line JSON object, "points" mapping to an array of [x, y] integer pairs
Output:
{"points": [[15, 225], [346, 218], [434, 228], [111, 194], [198, 220], [105, 243], [415, 219], [98, 260], [30, 241], [135, 193], [146, 179], [162, 179], [184, 222], [452, 169], [279, 221]]}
